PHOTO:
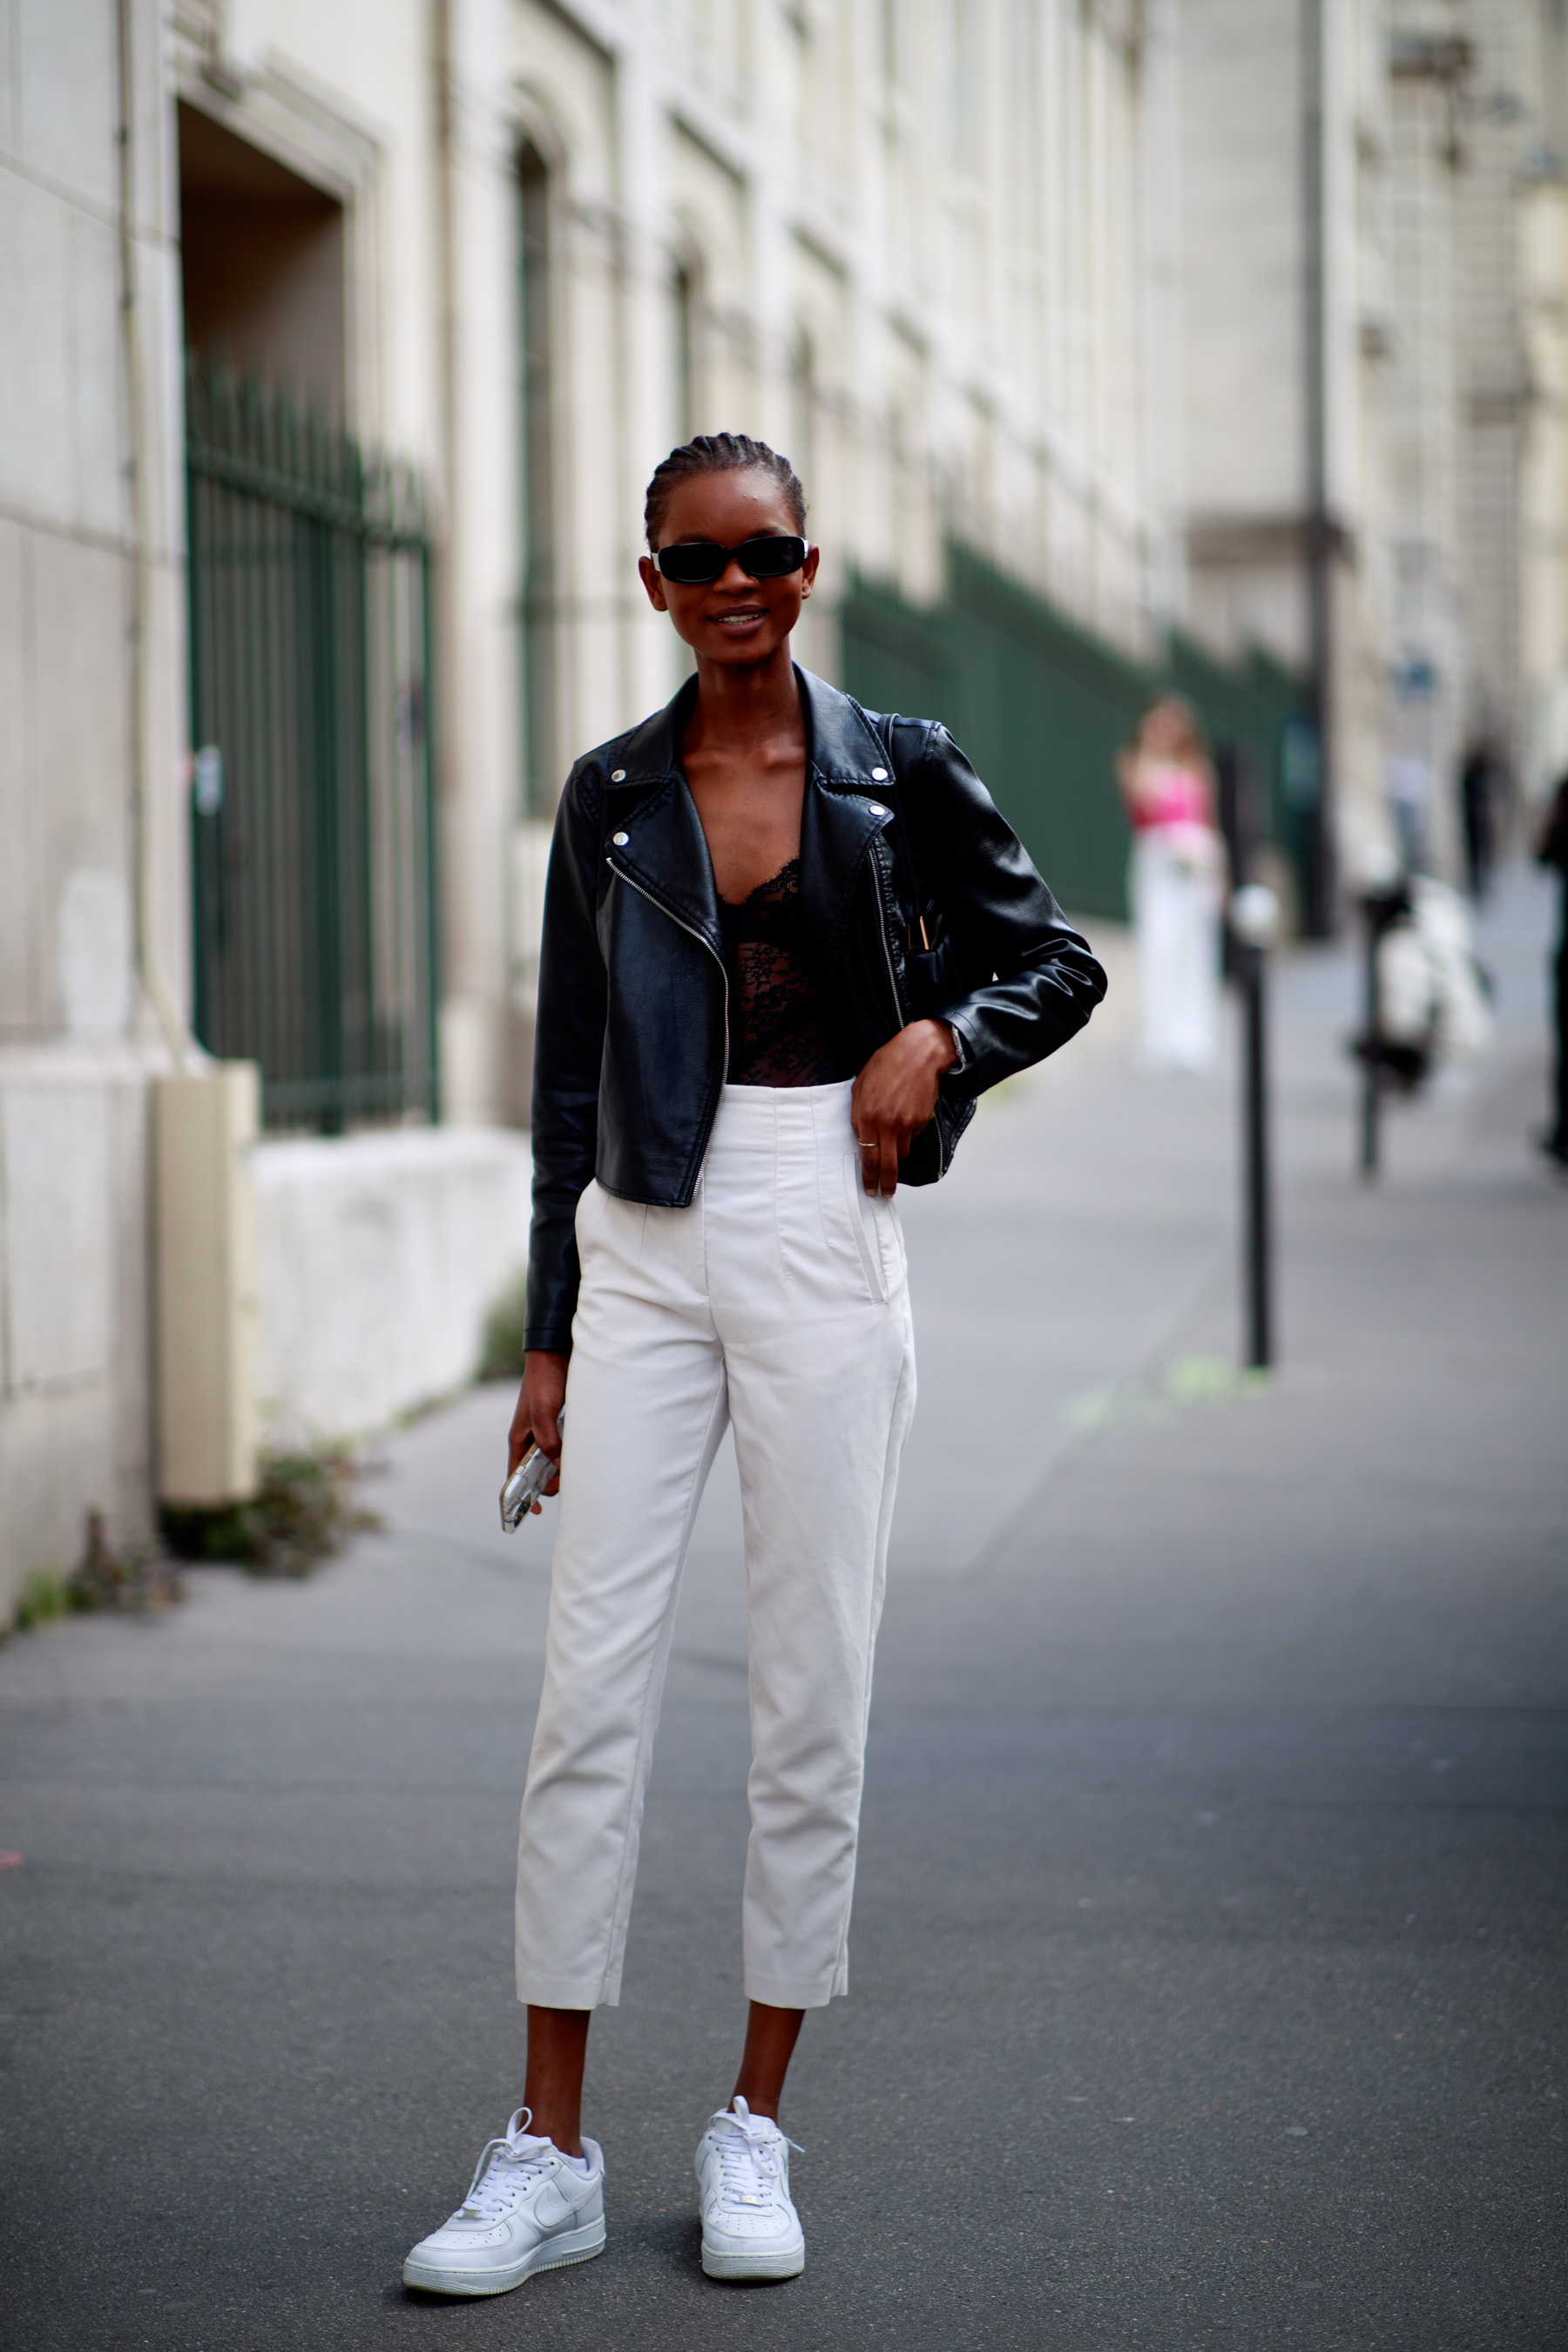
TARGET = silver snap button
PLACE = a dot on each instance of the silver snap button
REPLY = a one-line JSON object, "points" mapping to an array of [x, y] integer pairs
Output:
{"points": [[878, 775], [876, 808], [617, 775], [620, 839]]}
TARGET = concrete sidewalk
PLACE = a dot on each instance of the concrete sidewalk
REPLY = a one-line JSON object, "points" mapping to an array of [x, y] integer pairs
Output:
{"points": [[1208, 1951]]}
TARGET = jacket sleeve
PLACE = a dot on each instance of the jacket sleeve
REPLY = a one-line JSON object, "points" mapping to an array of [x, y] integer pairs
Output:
{"points": [[1032, 981], [569, 1044]]}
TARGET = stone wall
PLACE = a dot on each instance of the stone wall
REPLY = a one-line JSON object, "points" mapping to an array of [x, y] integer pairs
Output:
{"points": [[91, 877], [378, 1258]]}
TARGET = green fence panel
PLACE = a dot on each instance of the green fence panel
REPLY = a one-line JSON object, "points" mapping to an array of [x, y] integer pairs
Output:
{"points": [[1043, 708], [312, 803], [1040, 707]]}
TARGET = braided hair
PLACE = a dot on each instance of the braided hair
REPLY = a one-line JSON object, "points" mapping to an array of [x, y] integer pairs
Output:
{"points": [[718, 453]]}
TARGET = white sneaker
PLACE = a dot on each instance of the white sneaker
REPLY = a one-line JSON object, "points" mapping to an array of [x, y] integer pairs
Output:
{"points": [[749, 2228], [529, 2209]]}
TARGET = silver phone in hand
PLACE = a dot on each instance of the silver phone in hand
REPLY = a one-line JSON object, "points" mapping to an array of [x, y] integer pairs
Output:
{"points": [[523, 1488]]}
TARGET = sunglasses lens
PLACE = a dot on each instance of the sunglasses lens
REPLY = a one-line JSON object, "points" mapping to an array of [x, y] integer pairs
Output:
{"points": [[699, 561], [770, 558], [694, 565]]}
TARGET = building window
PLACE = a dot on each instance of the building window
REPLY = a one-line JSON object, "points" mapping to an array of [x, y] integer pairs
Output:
{"points": [[967, 86], [539, 601], [892, 46], [688, 360], [803, 409]]}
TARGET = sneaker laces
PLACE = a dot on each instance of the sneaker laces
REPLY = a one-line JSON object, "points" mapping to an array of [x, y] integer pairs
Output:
{"points": [[506, 2170], [748, 2147]]}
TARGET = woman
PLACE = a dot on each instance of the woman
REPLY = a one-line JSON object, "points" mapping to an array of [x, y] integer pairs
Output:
{"points": [[732, 1074], [1177, 889]]}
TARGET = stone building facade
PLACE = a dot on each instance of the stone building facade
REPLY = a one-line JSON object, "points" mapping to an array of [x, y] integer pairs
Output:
{"points": [[93, 972], [1116, 340], [522, 246], [1371, 271]]}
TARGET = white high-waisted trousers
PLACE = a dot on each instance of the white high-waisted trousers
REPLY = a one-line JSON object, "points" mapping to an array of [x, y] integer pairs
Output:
{"points": [[778, 1302]]}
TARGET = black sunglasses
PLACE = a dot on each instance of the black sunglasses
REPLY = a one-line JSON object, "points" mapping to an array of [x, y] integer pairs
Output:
{"points": [[698, 562]]}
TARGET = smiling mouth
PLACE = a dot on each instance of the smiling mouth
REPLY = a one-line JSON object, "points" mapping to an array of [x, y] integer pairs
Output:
{"points": [[741, 620]]}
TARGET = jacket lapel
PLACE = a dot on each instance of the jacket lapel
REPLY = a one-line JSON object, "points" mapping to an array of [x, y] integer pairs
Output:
{"points": [[843, 812], [666, 850]]}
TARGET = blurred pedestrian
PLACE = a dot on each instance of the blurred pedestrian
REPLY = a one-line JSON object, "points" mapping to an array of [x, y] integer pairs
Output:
{"points": [[786, 944], [1478, 811], [1551, 849], [1435, 1017], [1407, 784], [1177, 885]]}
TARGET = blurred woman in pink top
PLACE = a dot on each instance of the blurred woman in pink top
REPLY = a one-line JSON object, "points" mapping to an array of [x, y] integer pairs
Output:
{"points": [[1177, 885]]}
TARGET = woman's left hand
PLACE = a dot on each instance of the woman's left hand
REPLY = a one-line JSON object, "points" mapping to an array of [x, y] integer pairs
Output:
{"points": [[895, 1096]]}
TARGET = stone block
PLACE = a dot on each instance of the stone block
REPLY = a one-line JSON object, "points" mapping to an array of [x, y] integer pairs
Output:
{"points": [[99, 498], [54, 1161], [35, 400], [378, 1258], [79, 656], [94, 950], [21, 818], [67, 75]]}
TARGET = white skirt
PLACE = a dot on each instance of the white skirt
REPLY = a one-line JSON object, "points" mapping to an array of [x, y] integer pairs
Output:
{"points": [[1177, 894]]}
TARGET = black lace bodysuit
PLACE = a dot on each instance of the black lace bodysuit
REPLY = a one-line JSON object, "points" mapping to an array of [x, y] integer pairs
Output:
{"points": [[782, 1028]]}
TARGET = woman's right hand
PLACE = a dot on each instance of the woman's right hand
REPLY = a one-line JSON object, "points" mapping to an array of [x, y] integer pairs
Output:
{"points": [[538, 1414]]}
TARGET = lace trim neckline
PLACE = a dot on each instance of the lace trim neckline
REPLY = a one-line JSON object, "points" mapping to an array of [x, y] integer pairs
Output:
{"points": [[790, 868]]}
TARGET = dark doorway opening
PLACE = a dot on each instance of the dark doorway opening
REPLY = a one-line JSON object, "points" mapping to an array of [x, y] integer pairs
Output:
{"points": [[262, 255]]}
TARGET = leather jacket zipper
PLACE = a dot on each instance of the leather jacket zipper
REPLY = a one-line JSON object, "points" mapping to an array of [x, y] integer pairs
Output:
{"points": [[723, 974], [900, 1015], [878, 878]]}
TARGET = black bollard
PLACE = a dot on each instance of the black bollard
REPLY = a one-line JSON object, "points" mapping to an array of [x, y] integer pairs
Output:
{"points": [[1254, 922]]}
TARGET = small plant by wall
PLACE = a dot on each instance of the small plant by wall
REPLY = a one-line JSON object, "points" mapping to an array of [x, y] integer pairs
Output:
{"points": [[129, 1576], [305, 1510]]}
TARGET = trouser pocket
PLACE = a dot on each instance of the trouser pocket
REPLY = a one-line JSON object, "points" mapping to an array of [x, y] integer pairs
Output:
{"points": [[873, 1232]]}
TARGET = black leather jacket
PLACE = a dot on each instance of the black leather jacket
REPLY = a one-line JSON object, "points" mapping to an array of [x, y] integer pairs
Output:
{"points": [[632, 1035]]}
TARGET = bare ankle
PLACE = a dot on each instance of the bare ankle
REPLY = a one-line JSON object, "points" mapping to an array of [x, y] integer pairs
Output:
{"points": [[761, 2105], [566, 2138]]}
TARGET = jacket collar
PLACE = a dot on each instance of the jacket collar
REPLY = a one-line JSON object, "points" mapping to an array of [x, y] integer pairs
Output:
{"points": [[666, 852], [842, 745]]}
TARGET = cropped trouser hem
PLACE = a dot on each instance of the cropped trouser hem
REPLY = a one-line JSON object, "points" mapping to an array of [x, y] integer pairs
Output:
{"points": [[775, 1305], [569, 1992], [596, 1993], [779, 1993]]}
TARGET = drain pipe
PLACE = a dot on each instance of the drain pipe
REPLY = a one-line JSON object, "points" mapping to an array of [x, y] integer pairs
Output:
{"points": [[150, 972]]}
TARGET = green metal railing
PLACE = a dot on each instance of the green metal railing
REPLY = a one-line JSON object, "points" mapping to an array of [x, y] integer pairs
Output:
{"points": [[313, 819], [1042, 708]]}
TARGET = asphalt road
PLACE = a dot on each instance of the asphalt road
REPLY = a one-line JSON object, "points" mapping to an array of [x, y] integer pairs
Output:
{"points": [[1207, 1973]]}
